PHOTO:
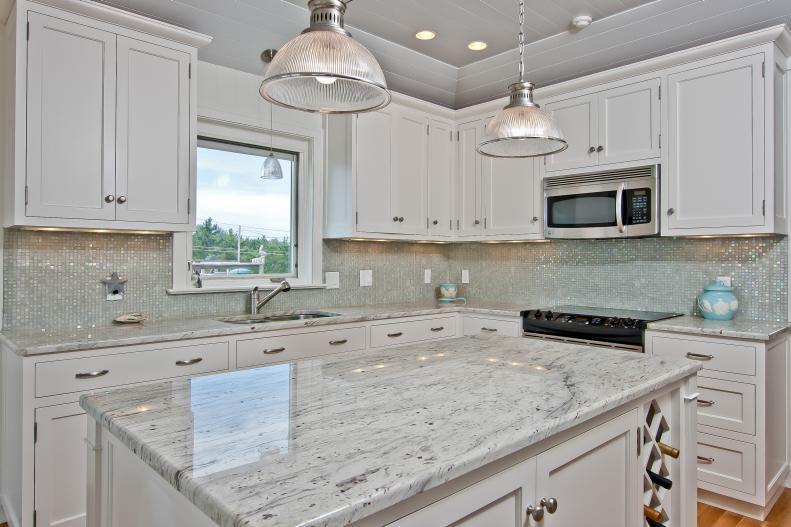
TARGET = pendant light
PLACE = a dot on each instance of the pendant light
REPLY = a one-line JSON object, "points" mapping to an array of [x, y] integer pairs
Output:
{"points": [[271, 168], [324, 69], [521, 129]]}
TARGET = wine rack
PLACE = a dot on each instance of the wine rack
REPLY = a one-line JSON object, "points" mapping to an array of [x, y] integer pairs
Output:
{"points": [[657, 429]]}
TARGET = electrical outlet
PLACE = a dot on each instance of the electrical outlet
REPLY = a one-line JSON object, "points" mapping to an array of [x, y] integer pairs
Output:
{"points": [[332, 280], [465, 276], [427, 276], [726, 280], [366, 278]]}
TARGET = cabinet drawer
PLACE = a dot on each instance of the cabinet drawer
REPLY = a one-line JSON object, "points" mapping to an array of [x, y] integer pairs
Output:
{"points": [[267, 350], [92, 373], [490, 326], [413, 331], [715, 356], [726, 404], [726, 462]]}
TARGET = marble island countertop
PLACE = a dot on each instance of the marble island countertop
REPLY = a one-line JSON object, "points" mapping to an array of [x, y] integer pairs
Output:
{"points": [[738, 328], [327, 441], [26, 342]]}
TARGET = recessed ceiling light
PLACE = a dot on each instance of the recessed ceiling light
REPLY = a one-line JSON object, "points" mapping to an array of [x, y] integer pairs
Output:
{"points": [[425, 35], [581, 21], [477, 45]]}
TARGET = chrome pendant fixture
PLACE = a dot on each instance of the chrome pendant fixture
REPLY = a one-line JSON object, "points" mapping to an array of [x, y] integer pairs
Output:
{"points": [[324, 69], [271, 168], [522, 129]]}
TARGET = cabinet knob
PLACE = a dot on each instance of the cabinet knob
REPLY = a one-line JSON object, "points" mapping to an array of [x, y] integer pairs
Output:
{"points": [[109, 198], [400, 219], [534, 219], [591, 149], [121, 199], [395, 218], [671, 211], [476, 222], [600, 149], [550, 504], [435, 222], [537, 513]]}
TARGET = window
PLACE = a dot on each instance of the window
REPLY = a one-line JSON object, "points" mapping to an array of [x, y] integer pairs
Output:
{"points": [[246, 226]]}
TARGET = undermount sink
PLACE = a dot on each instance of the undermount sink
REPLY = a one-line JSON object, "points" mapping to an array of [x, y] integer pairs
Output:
{"points": [[278, 317]]}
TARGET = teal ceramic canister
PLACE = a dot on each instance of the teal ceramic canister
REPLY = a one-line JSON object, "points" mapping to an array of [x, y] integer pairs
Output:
{"points": [[717, 301]]}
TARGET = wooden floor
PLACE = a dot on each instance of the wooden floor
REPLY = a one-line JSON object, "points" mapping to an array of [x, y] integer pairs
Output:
{"points": [[709, 516]]}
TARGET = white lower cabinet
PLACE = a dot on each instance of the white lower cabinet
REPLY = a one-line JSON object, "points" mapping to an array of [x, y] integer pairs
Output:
{"points": [[60, 472], [472, 325], [594, 478]]}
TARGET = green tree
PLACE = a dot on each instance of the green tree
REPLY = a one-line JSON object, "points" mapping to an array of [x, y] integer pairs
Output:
{"points": [[210, 242]]}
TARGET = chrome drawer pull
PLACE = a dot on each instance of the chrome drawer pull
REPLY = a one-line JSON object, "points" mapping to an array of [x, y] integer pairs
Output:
{"points": [[705, 403], [92, 374], [394, 335], [189, 362], [437, 329], [705, 460], [338, 342], [273, 351], [699, 356], [490, 330]]}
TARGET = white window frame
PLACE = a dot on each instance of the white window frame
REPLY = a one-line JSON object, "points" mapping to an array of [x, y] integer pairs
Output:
{"points": [[309, 211]]}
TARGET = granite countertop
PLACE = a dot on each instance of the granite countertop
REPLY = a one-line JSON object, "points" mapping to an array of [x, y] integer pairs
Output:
{"points": [[26, 342], [327, 441], [738, 328]]}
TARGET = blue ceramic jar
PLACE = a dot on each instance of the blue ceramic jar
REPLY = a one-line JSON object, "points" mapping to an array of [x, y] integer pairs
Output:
{"points": [[717, 301]]}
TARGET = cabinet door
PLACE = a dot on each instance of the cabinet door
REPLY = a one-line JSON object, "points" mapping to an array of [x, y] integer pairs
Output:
{"points": [[595, 477], [500, 501], [510, 192], [715, 168], [409, 175], [70, 120], [60, 466], [577, 118], [153, 146], [372, 158], [469, 180], [440, 179], [629, 123]]}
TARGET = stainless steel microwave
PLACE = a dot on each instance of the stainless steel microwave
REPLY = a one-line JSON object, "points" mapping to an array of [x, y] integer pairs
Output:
{"points": [[614, 204]]}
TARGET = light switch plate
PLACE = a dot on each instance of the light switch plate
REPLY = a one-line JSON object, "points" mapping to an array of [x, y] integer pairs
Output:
{"points": [[332, 280], [726, 280], [366, 278], [427, 276], [465, 276]]}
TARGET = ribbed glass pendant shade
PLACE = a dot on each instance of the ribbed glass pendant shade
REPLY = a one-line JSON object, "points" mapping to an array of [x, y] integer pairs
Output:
{"points": [[324, 69], [522, 129], [271, 168]]}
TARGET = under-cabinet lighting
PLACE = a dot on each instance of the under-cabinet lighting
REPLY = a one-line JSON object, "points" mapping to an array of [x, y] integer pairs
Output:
{"points": [[426, 34], [93, 231], [477, 45]]}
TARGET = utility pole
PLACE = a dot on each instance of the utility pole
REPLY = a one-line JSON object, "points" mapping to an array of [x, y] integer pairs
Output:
{"points": [[239, 245]]}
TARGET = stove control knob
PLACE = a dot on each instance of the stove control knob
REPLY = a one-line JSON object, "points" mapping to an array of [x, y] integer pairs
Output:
{"points": [[615, 322], [549, 315], [629, 322], [568, 318], [596, 321], [537, 314]]}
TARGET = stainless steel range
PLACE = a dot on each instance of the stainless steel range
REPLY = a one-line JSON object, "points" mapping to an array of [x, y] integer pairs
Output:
{"points": [[611, 328]]}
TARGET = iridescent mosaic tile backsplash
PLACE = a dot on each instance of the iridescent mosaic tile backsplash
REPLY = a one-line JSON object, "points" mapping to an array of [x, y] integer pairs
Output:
{"points": [[51, 279]]}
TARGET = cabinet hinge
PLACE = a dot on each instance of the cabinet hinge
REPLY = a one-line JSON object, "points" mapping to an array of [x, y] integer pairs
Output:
{"points": [[660, 93], [34, 518], [189, 205], [660, 140], [427, 129], [35, 432], [639, 441], [451, 135], [763, 208], [356, 218], [450, 225], [763, 69], [427, 223], [458, 135], [189, 70], [457, 225], [27, 30], [26, 192]]}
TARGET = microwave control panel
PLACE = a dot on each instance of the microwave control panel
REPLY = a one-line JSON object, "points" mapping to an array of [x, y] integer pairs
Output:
{"points": [[638, 206]]}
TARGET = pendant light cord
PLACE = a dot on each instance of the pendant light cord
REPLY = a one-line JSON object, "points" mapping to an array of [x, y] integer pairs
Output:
{"points": [[521, 40]]}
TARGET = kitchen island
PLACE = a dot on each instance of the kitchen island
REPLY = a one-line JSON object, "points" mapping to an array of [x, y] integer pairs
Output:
{"points": [[477, 430]]}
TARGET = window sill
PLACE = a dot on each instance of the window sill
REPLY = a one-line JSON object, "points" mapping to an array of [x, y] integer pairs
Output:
{"points": [[239, 288]]}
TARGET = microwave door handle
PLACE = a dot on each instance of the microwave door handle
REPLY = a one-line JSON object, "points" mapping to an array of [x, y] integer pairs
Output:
{"points": [[619, 208]]}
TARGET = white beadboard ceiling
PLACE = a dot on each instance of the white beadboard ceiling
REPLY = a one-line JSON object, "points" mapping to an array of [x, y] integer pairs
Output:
{"points": [[443, 71]]}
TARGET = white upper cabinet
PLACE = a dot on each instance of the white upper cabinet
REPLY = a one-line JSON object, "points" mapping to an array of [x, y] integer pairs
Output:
{"points": [[70, 120], [512, 196], [104, 120], [441, 152], [409, 176], [373, 141], [469, 185], [715, 171], [618, 125], [153, 133]]}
